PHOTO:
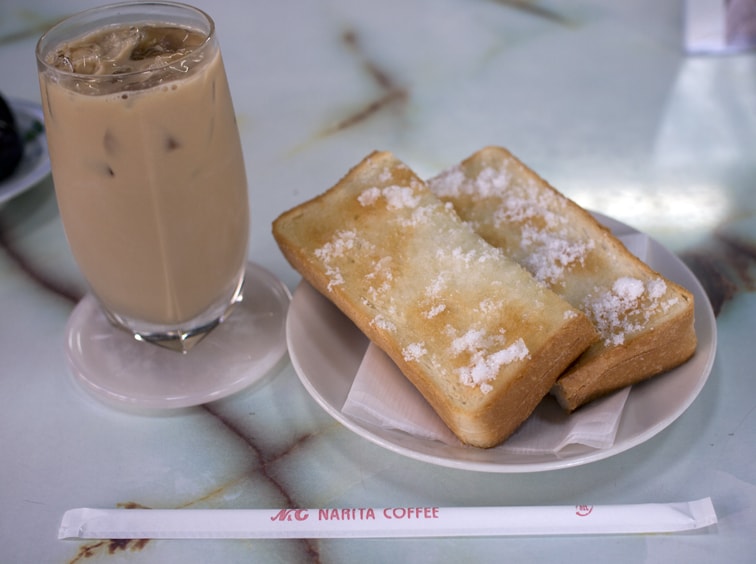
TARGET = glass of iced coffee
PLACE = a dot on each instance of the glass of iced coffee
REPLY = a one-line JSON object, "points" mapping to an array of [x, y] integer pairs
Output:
{"points": [[150, 180]]}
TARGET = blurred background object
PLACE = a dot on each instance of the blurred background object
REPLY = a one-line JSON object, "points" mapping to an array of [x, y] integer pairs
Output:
{"points": [[720, 26]]}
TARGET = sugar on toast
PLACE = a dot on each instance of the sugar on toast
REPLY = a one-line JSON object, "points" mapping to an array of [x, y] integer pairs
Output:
{"points": [[472, 330], [645, 321]]}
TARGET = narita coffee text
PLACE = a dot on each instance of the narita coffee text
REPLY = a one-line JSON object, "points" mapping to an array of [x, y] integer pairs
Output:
{"points": [[358, 514]]}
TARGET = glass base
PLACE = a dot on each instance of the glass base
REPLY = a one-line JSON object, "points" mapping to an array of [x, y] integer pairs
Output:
{"points": [[181, 339], [120, 370]]}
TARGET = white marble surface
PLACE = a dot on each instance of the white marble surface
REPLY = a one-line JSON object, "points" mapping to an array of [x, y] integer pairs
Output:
{"points": [[598, 97]]}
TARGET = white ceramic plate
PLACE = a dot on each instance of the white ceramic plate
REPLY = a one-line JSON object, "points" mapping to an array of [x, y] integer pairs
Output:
{"points": [[35, 164], [326, 349]]}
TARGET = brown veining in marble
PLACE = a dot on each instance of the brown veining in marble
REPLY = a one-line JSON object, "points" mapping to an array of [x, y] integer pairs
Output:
{"points": [[532, 8], [382, 78], [309, 546], [367, 111], [393, 93], [132, 505], [266, 462], [724, 266], [112, 546], [115, 545], [262, 459], [55, 286], [109, 546]]}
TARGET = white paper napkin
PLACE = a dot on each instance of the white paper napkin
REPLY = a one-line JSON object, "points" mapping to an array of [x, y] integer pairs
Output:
{"points": [[381, 395]]}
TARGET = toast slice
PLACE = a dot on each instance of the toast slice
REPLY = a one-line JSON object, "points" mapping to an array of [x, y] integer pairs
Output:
{"points": [[471, 329], [645, 321]]}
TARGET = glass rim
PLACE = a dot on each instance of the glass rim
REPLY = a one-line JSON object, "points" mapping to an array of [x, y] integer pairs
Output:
{"points": [[110, 7]]}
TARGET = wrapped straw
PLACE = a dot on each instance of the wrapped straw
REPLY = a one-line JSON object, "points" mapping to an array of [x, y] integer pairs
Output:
{"points": [[394, 522]]}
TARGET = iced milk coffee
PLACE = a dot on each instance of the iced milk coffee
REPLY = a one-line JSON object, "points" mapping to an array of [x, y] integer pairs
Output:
{"points": [[148, 169]]}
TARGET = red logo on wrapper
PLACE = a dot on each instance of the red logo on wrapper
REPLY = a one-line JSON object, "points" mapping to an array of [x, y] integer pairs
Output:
{"points": [[583, 510], [290, 515]]}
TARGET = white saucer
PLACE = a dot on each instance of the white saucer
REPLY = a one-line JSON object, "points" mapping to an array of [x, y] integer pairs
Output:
{"points": [[326, 349], [121, 371], [35, 164]]}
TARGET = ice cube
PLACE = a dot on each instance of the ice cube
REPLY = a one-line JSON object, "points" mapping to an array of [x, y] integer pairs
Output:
{"points": [[117, 44], [166, 43], [82, 59]]}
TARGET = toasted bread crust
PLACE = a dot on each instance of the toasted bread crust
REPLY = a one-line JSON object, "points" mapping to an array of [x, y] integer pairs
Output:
{"points": [[645, 320], [472, 330], [595, 375]]}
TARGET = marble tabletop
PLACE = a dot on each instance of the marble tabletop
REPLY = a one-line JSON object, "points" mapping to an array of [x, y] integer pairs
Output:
{"points": [[600, 98]]}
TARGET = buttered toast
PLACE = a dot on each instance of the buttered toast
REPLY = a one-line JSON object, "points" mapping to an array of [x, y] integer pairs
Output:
{"points": [[645, 321], [471, 329]]}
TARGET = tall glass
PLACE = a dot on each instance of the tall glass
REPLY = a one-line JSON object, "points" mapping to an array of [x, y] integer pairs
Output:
{"points": [[147, 166]]}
